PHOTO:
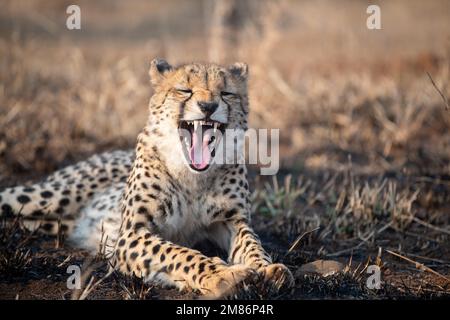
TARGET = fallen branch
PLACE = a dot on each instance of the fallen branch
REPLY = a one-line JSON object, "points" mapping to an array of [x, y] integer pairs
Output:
{"points": [[297, 241], [91, 285], [419, 265], [426, 224]]}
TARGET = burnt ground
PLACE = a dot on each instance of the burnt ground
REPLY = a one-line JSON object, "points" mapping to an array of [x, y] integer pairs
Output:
{"points": [[40, 273], [34, 266]]}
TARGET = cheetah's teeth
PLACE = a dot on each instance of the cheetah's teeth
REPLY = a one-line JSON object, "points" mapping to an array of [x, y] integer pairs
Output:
{"points": [[196, 125]]}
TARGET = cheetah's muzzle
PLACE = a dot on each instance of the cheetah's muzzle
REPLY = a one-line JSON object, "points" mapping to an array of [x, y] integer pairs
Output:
{"points": [[199, 139]]}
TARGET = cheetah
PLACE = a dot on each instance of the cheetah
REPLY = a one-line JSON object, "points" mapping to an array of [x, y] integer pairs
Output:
{"points": [[149, 206]]}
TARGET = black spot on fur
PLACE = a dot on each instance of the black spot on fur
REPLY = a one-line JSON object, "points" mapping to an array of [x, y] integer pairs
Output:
{"points": [[230, 213], [246, 232], [168, 204], [46, 194], [128, 226], [236, 249], [139, 225], [64, 202], [133, 256], [142, 210], [133, 244], [23, 199], [156, 187], [155, 249]]}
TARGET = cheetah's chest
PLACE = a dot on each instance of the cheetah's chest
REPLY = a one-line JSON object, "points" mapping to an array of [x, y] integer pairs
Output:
{"points": [[188, 222]]}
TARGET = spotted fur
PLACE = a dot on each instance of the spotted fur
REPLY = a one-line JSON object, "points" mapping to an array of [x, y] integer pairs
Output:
{"points": [[147, 207]]}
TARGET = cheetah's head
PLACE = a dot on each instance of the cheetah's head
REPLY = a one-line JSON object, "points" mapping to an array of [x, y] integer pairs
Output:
{"points": [[193, 105]]}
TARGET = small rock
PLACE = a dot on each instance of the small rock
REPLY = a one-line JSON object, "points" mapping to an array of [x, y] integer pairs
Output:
{"points": [[324, 268]]}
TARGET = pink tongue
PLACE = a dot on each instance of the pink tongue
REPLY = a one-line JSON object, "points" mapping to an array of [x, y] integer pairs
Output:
{"points": [[199, 153]]}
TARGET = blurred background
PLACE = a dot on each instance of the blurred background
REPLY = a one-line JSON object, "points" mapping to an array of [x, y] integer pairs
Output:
{"points": [[334, 88], [365, 139]]}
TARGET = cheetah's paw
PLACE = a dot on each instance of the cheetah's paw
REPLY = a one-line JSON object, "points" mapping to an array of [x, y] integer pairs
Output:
{"points": [[224, 282], [277, 275]]}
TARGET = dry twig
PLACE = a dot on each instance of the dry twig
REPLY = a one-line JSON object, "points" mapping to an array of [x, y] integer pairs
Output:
{"points": [[444, 98], [297, 241], [419, 265]]}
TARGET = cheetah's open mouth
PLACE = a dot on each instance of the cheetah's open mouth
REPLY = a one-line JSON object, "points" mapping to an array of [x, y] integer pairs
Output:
{"points": [[199, 139]]}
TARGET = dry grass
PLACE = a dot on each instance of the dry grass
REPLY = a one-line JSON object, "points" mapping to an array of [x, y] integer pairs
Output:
{"points": [[346, 207], [364, 132], [14, 256]]}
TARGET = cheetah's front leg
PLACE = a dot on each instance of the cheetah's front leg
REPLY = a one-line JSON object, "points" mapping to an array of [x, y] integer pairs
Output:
{"points": [[246, 249], [149, 257]]}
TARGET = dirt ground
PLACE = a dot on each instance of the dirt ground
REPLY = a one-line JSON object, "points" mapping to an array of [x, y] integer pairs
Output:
{"points": [[364, 133], [35, 266]]}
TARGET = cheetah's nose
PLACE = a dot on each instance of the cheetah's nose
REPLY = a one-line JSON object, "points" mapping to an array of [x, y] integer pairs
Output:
{"points": [[208, 108]]}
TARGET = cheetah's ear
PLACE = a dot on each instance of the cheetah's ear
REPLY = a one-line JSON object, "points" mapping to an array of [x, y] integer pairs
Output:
{"points": [[158, 69], [239, 70]]}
